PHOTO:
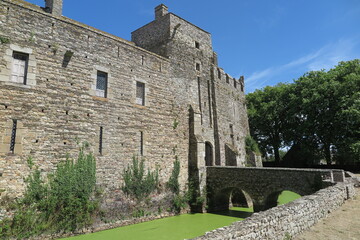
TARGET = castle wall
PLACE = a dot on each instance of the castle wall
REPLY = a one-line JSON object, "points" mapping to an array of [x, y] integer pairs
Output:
{"points": [[61, 107], [209, 90]]}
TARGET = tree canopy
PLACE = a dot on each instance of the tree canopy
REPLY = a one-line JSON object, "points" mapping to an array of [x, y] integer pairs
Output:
{"points": [[320, 110]]}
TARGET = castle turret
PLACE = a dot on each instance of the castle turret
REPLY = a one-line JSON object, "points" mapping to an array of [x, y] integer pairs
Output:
{"points": [[54, 7], [160, 11]]}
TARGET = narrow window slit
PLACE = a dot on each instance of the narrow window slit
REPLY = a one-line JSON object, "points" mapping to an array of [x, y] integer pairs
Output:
{"points": [[101, 140], [13, 136], [141, 144]]}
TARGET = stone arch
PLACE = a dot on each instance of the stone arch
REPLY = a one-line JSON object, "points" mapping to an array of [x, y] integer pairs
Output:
{"points": [[272, 199], [221, 200], [239, 198], [209, 154]]}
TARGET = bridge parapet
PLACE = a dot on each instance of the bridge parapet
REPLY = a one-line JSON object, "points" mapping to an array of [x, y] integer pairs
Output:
{"points": [[264, 185]]}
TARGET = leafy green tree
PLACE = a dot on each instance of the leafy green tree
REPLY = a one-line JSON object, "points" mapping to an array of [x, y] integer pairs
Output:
{"points": [[329, 108], [267, 111], [320, 111]]}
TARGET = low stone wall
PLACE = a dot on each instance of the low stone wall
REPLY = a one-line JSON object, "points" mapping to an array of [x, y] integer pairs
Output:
{"points": [[286, 221]]}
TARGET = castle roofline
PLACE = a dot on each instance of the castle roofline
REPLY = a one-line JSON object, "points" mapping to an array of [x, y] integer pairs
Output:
{"points": [[173, 14], [40, 10]]}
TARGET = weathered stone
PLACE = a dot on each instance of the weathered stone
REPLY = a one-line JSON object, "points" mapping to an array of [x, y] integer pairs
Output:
{"points": [[59, 104]]}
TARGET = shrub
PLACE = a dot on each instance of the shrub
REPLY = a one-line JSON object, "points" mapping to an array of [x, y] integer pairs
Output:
{"points": [[61, 204], [173, 183], [251, 145], [136, 183]]}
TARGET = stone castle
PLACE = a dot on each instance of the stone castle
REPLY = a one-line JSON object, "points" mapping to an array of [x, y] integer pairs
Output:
{"points": [[160, 96]]}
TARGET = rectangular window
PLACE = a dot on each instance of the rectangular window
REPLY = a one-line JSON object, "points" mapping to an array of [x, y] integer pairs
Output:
{"points": [[101, 140], [197, 45], [101, 84], [19, 67], [141, 143], [13, 136], [197, 66], [227, 78], [235, 86], [219, 73], [140, 93]]}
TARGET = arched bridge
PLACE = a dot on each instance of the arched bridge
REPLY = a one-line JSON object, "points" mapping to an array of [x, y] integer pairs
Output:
{"points": [[263, 185]]}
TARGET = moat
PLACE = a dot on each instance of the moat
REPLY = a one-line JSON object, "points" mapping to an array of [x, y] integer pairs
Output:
{"points": [[185, 226]]}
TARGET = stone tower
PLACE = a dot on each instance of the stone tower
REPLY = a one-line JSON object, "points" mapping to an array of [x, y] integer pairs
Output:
{"points": [[217, 116]]}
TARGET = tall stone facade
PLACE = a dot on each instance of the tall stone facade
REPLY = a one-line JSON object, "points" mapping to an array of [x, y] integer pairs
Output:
{"points": [[161, 96]]}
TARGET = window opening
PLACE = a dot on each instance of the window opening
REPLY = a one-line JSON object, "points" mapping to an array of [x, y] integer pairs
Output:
{"points": [[19, 67], [227, 78], [140, 93], [13, 136], [141, 143], [101, 84], [219, 73], [101, 140], [197, 66], [235, 86], [197, 45]]}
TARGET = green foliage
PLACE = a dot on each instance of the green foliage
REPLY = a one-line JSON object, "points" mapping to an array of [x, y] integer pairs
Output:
{"points": [[173, 183], [175, 123], [251, 145], [4, 40], [180, 201], [287, 236], [267, 111], [138, 184], [319, 111], [62, 203], [30, 162]]}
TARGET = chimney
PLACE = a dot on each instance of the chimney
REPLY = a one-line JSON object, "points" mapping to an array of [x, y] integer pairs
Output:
{"points": [[160, 11], [54, 7]]}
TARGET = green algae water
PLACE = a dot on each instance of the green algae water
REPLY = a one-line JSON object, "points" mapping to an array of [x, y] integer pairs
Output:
{"points": [[172, 228], [287, 196], [179, 227]]}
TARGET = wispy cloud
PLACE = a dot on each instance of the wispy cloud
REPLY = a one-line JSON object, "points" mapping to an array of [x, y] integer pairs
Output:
{"points": [[324, 58]]}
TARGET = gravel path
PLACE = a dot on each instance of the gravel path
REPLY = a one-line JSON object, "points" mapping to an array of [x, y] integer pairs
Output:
{"points": [[342, 224]]}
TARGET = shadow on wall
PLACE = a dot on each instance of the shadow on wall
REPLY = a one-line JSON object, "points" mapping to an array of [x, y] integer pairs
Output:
{"points": [[230, 156]]}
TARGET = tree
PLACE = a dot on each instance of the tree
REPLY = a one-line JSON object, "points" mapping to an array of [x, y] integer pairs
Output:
{"points": [[320, 111], [267, 110]]}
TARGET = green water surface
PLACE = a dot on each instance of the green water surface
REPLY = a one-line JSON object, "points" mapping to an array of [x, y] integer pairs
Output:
{"points": [[179, 227]]}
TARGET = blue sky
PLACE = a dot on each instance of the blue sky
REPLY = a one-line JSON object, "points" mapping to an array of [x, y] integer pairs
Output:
{"points": [[267, 41]]}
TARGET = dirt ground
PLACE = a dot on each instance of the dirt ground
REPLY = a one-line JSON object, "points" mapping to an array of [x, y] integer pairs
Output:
{"points": [[342, 224]]}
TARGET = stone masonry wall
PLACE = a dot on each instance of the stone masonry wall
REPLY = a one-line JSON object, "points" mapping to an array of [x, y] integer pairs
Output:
{"points": [[59, 108], [286, 220]]}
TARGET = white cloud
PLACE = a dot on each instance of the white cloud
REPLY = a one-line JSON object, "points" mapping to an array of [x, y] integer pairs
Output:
{"points": [[324, 58]]}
